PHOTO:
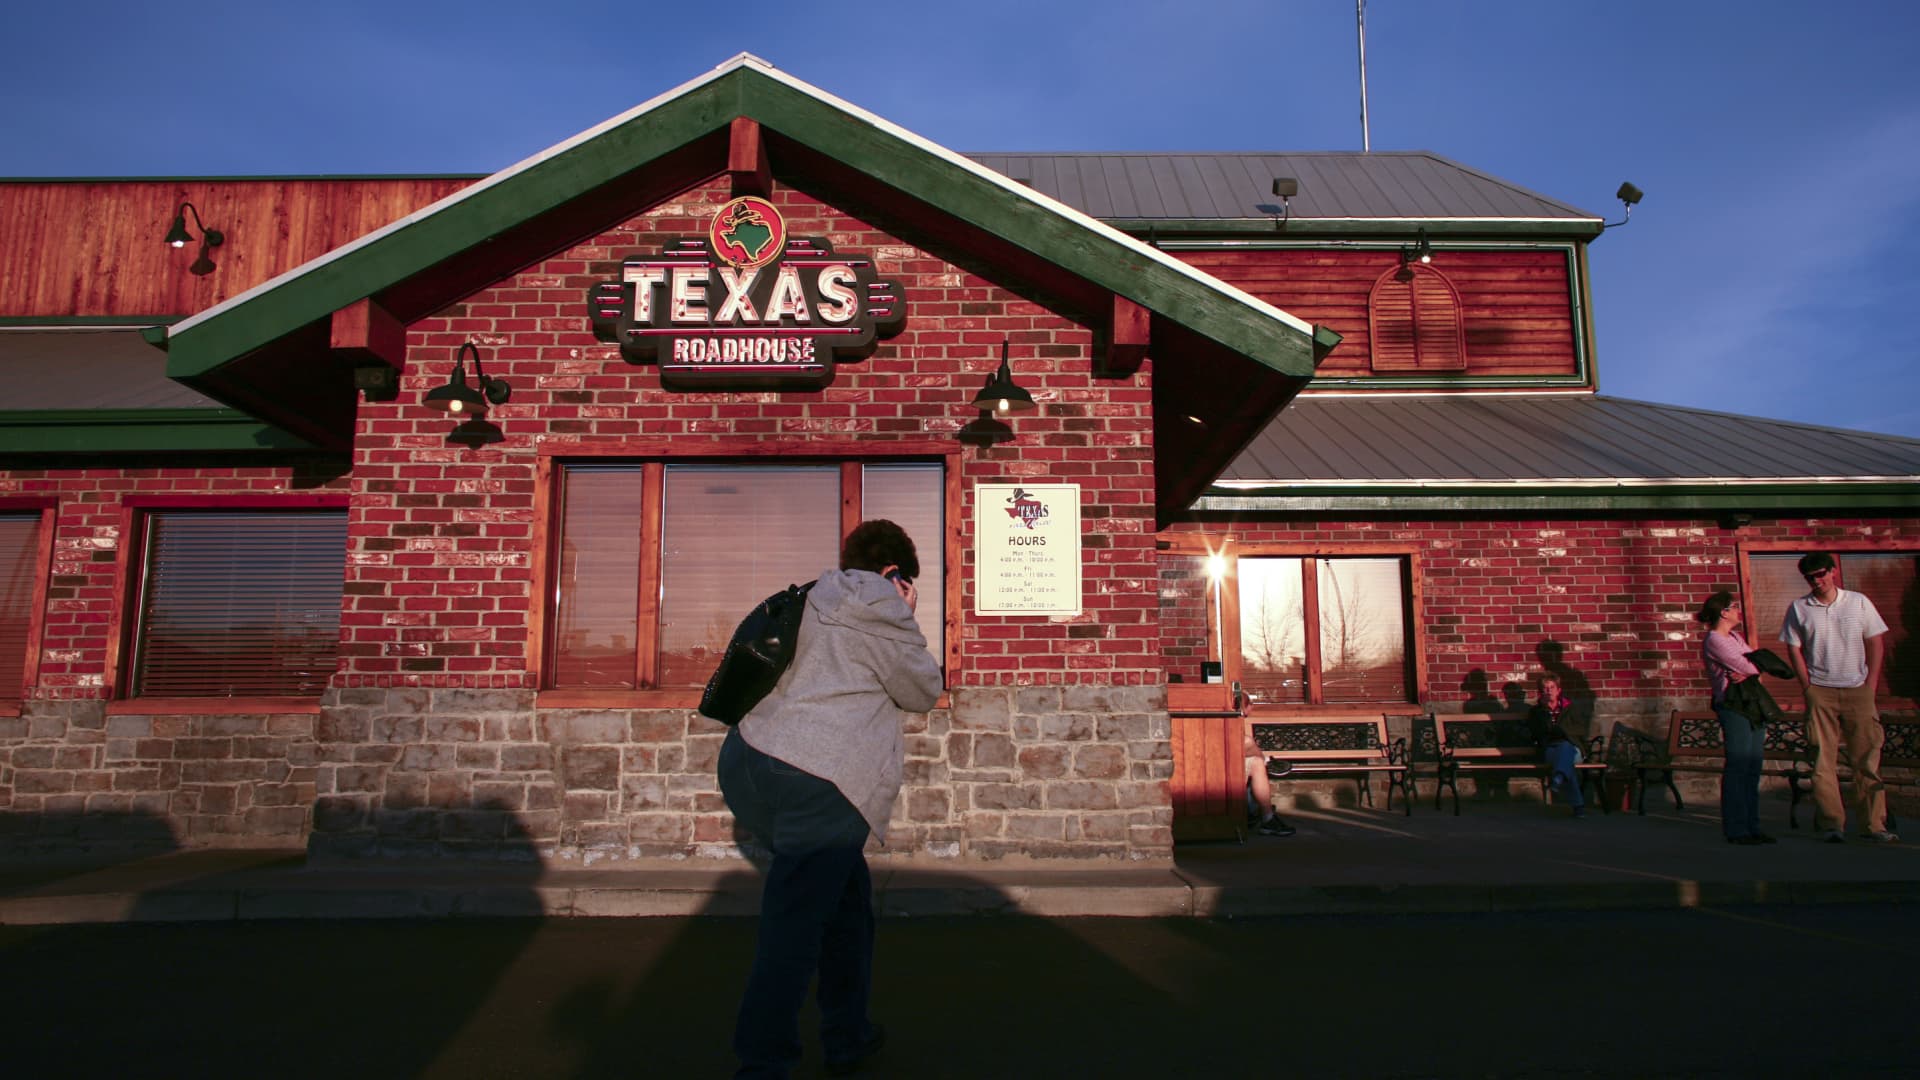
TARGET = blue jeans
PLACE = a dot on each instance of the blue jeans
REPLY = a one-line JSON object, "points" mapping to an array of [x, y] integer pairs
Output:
{"points": [[816, 911], [1561, 756], [1740, 780]]}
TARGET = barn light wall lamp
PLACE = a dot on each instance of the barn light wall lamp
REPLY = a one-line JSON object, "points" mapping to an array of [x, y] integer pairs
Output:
{"points": [[177, 236], [1628, 196], [1000, 394], [1420, 251], [457, 398]]}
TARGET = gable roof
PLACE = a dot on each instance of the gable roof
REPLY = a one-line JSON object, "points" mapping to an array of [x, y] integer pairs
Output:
{"points": [[1518, 452], [267, 350], [1137, 190]]}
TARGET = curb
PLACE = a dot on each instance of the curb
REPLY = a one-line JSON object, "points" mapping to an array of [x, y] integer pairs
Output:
{"points": [[918, 895]]}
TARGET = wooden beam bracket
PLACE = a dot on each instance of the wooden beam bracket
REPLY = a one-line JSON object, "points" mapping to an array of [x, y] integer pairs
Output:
{"points": [[747, 160], [368, 337], [1124, 346]]}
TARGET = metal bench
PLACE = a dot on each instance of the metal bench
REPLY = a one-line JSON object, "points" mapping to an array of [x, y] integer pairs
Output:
{"points": [[1354, 746], [1694, 745], [1501, 744]]}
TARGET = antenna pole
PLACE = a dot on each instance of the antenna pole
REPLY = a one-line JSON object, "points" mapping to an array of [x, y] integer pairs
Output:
{"points": [[1360, 17]]}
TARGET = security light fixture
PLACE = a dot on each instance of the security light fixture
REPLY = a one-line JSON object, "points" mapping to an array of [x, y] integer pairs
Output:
{"points": [[1285, 188], [1000, 394], [459, 399], [1629, 196], [177, 236]]}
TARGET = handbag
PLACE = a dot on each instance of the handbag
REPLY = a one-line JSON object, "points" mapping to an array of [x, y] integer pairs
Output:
{"points": [[761, 648]]}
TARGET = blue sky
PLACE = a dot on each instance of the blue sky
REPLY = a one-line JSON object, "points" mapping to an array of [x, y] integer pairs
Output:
{"points": [[1770, 270]]}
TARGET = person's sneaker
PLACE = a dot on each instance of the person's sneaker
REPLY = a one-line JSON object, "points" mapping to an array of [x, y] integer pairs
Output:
{"points": [[1273, 826], [1763, 838], [849, 1066], [1579, 811], [1749, 840], [1833, 836], [1881, 836]]}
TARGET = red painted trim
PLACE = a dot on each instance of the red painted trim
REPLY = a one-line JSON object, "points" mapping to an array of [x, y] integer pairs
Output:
{"points": [[37, 613], [119, 629], [743, 448], [237, 502]]}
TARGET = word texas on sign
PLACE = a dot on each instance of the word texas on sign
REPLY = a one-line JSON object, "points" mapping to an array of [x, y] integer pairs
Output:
{"points": [[746, 306]]}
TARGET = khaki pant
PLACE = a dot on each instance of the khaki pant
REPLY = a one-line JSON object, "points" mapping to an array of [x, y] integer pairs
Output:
{"points": [[1846, 718]]}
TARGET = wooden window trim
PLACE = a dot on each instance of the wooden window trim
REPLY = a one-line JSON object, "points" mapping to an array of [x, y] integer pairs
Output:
{"points": [[653, 455], [49, 510], [130, 570], [1232, 552]]}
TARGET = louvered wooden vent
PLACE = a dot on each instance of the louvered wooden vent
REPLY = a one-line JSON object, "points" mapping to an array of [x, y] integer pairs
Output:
{"points": [[1413, 319]]}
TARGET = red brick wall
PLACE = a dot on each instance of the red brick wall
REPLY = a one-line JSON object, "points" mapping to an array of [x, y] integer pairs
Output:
{"points": [[1618, 594], [439, 571], [83, 588]]}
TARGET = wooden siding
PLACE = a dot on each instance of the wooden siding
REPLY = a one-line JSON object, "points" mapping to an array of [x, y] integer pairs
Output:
{"points": [[1517, 306], [94, 248]]}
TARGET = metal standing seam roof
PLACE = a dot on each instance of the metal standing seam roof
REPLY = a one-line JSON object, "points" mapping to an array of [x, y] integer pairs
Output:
{"points": [[1548, 439], [1415, 184]]}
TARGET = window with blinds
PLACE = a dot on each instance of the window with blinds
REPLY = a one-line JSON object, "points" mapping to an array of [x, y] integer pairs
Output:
{"points": [[1414, 323], [19, 574], [727, 536], [239, 604]]}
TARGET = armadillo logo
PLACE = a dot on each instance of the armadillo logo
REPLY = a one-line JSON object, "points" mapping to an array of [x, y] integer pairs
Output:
{"points": [[747, 232], [1025, 508], [746, 306]]}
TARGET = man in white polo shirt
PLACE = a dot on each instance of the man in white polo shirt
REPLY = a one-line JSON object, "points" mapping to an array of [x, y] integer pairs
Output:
{"points": [[1836, 641]]}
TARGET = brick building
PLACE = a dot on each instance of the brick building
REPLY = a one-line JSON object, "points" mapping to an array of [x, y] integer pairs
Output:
{"points": [[421, 533]]}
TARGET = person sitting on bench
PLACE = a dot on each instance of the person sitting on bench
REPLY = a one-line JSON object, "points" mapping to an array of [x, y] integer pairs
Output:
{"points": [[1260, 814], [1557, 748]]}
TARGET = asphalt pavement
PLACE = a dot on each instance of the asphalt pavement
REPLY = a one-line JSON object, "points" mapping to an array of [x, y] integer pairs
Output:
{"points": [[1497, 855]]}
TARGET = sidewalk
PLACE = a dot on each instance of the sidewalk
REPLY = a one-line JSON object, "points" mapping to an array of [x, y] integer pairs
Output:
{"points": [[1494, 857]]}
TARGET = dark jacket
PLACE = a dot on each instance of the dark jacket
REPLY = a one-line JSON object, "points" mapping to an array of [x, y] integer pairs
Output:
{"points": [[1752, 700], [1544, 723]]}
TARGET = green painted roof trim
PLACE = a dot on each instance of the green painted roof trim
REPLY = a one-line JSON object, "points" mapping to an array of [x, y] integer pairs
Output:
{"points": [[131, 431], [1395, 229], [1415, 502], [1007, 209], [743, 88], [419, 241]]}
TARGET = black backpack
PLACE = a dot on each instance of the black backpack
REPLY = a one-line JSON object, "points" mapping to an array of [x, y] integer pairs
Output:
{"points": [[760, 649]]}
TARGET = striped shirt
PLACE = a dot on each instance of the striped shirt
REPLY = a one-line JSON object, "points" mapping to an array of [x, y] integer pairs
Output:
{"points": [[1833, 637]]}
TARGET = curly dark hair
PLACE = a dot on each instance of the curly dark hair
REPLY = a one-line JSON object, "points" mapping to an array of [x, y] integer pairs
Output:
{"points": [[877, 544]]}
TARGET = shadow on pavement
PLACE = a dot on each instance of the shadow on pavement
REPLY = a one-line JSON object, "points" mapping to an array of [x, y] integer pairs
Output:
{"points": [[166, 993]]}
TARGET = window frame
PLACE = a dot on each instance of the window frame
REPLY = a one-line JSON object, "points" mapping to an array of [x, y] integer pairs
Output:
{"points": [[653, 456], [13, 697], [1787, 691], [130, 570], [1223, 620]]}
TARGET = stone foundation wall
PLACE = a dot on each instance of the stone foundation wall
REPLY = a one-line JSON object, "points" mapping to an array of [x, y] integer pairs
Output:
{"points": [[75, 781]]}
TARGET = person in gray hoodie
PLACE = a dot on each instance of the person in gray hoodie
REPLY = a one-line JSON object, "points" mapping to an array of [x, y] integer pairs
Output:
{"points": [[810, 771]]}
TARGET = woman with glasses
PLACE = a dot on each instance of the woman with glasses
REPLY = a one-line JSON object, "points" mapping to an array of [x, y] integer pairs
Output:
{"points": [[1724, 651]]}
